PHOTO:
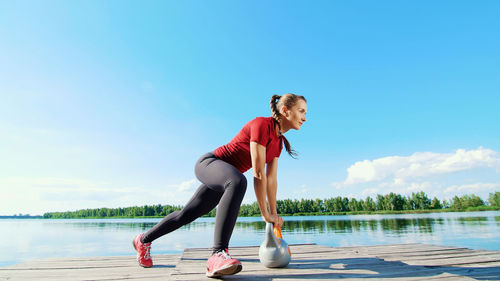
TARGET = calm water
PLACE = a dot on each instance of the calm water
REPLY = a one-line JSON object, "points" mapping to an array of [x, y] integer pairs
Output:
{"points": [[37, 238]]}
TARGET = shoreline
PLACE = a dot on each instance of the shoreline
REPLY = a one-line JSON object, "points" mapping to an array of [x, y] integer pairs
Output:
{"points": [[350, 213]]}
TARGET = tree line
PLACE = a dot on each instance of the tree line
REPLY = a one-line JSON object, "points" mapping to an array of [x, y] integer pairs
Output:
{"points": [[131, 212], [389, 202]]}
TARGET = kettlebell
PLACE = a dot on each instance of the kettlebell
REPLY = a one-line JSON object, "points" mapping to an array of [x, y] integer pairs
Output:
{"points": [[274, 251]]}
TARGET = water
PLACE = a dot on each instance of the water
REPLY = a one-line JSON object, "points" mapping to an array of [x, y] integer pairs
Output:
{"points": [[26, 239]]}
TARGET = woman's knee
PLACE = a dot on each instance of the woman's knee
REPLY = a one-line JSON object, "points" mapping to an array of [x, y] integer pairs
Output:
{"points": [[237, 182]]}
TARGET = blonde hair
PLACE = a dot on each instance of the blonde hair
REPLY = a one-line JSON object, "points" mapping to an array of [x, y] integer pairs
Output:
{"points": [[277, 102]]}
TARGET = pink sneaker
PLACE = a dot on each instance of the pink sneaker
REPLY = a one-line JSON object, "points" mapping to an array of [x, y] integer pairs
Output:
{"points": [[143, 252], [221, 263]]}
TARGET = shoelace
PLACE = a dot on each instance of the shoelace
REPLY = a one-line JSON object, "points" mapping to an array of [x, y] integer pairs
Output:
{"points": [[147, 255], [224, 254]]}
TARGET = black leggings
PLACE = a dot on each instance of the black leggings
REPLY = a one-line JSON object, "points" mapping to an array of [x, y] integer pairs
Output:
{"points": [[222, 184]]}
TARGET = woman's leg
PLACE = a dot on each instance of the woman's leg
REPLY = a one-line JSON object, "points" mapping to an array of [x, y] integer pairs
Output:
{"points": [[223, 177], [202, 202], [222, 184]]}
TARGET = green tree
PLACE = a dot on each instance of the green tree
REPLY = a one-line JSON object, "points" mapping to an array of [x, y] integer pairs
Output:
{"points": [[393, 201], [353, 205], [494, 199], [329, 206], [421, 200], [380, 203], [473, 201], [456, 203], [369, 204], [409, 203], [317, 206], [436, 204], [466, 201]]}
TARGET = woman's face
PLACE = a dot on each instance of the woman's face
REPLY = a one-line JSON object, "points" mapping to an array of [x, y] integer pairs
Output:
{"points": [[296, 115]]}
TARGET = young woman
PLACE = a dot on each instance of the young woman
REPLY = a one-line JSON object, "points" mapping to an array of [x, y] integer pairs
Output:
{"points": [[221, 172]]}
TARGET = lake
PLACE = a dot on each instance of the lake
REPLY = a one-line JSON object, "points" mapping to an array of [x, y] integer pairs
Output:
{"points": [[26, 239]]}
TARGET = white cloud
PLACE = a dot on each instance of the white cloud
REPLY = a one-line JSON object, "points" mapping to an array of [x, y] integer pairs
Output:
{"points": [[419, 186], [420, 165], [351, 196], [188, 185], [472, 188], [303, 189], [369, 192], [337, 185], [443, 175], [62, 183], [40, 195], [398, 182]]}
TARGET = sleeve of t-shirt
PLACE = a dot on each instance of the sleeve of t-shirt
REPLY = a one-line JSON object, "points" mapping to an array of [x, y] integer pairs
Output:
{"points": [[259, 131]]}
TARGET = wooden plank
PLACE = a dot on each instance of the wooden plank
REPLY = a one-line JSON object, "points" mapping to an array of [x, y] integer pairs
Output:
{"points": [[309, 261], [479, 265], [484, 273], [402, 250], [379, 269], [430, 253], [113, 268], [109, 274], [440, 256], [97, 262], [348, 265], [451, 261], [252, 249], [316, 250], [450, 277]]}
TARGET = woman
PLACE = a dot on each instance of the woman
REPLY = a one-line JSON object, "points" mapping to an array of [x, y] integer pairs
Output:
{"points": [[221, 172]]}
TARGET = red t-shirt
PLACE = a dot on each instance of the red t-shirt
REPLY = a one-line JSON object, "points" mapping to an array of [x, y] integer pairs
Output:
{"points": [[260, 130]]}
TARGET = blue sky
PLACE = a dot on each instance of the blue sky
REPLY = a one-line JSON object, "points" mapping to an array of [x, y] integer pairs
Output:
{"points": [[110, 103]]}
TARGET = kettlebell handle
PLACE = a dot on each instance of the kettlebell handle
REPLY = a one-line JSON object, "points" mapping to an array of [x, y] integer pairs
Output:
{"points": [[277, 231]]}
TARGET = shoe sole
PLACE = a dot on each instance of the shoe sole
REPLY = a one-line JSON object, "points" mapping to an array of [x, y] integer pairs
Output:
{"points": [[133, 244], [229, 270]]}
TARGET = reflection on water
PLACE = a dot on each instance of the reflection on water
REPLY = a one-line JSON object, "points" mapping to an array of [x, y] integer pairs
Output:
{"points": [[424, 225], [311, 224], [31, 239], [396, 225], [473, 221]]}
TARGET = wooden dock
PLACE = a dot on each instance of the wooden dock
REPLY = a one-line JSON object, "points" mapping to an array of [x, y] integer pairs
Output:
{"points": [[309, 261]]}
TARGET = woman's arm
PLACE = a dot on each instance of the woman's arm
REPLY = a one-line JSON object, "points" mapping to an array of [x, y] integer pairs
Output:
{"points": [[272, 185], [258, 155], [261, 184]]}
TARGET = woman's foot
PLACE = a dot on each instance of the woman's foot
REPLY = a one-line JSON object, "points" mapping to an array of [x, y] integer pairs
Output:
{"points": [[221, 263], [143, 251]]}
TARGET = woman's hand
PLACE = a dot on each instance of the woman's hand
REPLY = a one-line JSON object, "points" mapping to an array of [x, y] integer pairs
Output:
{"points": [[274, 219]]}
